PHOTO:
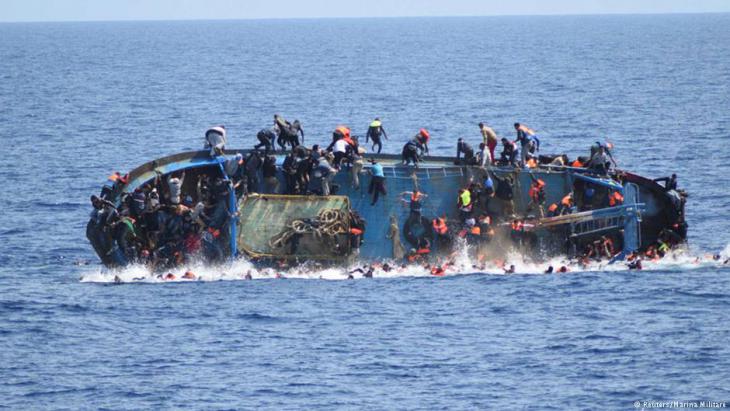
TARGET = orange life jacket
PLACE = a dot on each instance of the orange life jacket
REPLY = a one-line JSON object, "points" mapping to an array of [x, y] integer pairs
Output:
{"points": [[531, 163], [517, 225], [422, 251], [576, 163], [439, 225], [567, 200], [345, 131], [615, 199], [355, 231], [553, 208], [424, 133], [476, 230]]}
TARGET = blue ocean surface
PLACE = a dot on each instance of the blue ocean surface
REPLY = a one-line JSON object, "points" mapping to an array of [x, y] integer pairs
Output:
{"points": [[79, 100]]}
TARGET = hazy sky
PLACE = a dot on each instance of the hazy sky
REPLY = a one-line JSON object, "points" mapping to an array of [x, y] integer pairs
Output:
{"points": [[75, 10]]}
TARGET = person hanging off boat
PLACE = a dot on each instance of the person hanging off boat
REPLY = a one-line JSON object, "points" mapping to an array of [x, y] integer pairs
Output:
{"points": [[416, 201], [464, 203], [414, 149], [377, 181], [537, 195], [462, 147], [375, 131], [215, 140], [567, 204], [489, 138]]}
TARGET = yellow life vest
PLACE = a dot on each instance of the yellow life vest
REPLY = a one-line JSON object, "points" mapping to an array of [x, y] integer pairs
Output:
{"points": [[376, 123], [465, 198]]}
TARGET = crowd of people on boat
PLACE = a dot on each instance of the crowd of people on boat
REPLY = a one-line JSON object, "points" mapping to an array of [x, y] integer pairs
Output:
{"points": [[159, 224], [164, 223]]}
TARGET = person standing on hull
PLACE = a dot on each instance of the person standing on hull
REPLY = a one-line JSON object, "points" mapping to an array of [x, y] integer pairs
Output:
{"points": [[489, 138], [375, 131], [215, 140], [529, 143]]}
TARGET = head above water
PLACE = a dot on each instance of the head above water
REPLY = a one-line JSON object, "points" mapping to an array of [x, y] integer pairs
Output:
{"points": [[481, 125], [517, 125]]}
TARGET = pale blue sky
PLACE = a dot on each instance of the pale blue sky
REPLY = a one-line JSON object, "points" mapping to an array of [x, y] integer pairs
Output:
{"points": [[85, 10]]}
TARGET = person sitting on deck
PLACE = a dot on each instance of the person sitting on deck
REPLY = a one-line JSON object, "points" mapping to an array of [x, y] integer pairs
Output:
{"points": [[215, 140], [464, 147], [374, 132]]}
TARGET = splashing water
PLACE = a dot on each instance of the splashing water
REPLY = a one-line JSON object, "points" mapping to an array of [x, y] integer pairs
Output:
{"points": [[461, 264]]}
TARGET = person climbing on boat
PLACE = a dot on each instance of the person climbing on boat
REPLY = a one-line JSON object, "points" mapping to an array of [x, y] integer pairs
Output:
{"points": [[215, 140], [567, 204], [415, 202], [410, 153], [464, 203], [462, 147], [340, 133], [375, 131], [266, 137], [423, 137], [377, 181], [537, 195], [505, 192], [489, 138], [529, 142], [510, 153]]}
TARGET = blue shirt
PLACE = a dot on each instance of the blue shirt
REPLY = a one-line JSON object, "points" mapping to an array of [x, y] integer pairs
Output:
{"points": [[377, 170]]}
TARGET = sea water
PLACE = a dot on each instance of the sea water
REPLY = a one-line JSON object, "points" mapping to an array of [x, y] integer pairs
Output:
{"points": [[80, 100]]}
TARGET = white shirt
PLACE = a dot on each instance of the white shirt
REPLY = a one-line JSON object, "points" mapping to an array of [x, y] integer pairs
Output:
{"points": [[340, 146]]}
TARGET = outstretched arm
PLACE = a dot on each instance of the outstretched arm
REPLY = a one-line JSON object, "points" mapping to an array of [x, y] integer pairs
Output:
{"points": [[383, 130]]}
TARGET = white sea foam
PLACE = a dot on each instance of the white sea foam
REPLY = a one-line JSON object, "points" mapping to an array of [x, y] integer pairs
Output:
{"points": [[461, 263]]}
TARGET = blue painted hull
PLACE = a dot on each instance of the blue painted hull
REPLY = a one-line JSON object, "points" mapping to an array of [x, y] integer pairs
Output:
{"points": [[441, 180]]}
